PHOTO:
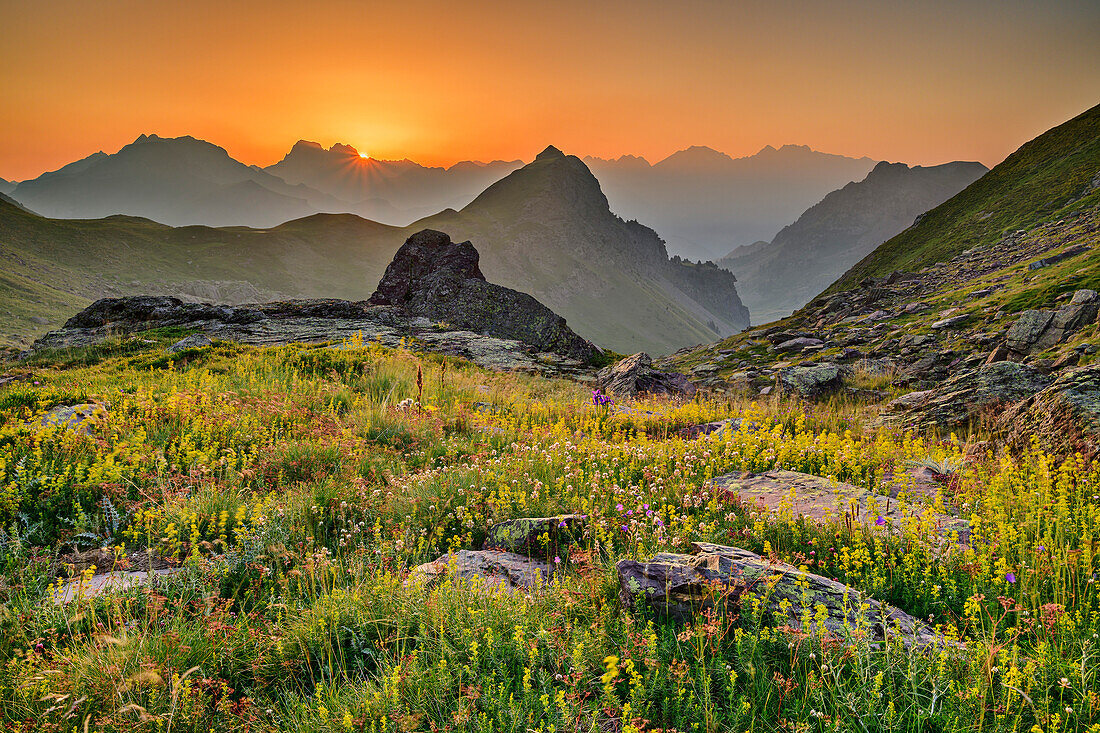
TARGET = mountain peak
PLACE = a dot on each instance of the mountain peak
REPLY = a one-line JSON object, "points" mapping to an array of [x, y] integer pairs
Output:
{"points": [[550, 152]]}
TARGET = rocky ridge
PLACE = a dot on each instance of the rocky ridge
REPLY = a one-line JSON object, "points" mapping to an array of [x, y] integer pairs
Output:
{"points": [[980, 333], [432, 296]]}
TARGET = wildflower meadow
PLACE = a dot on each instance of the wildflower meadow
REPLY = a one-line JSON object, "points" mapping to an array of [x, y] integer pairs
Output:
{"points": [[285, 493]]}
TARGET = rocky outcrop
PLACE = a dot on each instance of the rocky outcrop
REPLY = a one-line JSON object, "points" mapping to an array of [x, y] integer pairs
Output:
{"points": [[813, 381], [1038, 330], [432, 296], [965, 396], [435, 278], [541, 537], [680, 586], [1064, 417], [635, 375], [504, 570]]}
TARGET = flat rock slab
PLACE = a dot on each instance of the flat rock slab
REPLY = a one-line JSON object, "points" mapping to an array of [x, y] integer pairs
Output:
{"points": [[493, 569], [102, 583], [80, 418], [793, 494], [541, 537], [680, 586]]}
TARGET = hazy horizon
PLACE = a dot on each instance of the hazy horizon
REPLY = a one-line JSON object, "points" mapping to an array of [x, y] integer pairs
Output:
{"points": [[922, 84]]}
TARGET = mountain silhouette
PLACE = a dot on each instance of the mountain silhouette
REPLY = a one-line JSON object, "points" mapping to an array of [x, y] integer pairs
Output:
{"points": [[705, 203]]}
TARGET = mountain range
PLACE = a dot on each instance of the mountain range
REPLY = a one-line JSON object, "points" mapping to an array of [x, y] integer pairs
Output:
{"points": [[393, 191], [805, 257], [705, 203], [545, 229], [701, 201]]}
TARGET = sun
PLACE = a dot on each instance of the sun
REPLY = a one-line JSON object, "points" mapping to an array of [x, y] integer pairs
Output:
{"points": [[364, 155]]}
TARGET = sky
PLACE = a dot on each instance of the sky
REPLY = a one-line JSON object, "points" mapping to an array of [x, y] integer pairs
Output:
{"points": [[438, 82]]}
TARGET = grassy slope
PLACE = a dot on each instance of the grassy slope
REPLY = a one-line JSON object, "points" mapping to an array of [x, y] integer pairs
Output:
{"points": [[52, 267], [301, 494], [1042, 180]]}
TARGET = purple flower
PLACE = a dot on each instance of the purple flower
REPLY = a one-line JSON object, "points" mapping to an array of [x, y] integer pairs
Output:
{"points": [[881, 521], [630, 512], [1042, 549], [625, 529], [561, 523], [619, 507], [556, 559], [645, 506], [1010, 577], [660, 523]]}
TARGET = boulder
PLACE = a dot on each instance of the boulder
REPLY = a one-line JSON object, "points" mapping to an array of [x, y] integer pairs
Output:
{"points": [[812, 381], [681, 586], [635, 375], [951, 322], [435, 278], [194, 341], [542, 537], [797, 345], [962, 398], [80, 418], [505, 570], [1027, 330], [793, 494], [1065, 417]]}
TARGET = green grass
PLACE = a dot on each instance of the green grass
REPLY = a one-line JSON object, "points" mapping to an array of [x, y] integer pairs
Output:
{"points": [[1046, 178], [297, 488]]}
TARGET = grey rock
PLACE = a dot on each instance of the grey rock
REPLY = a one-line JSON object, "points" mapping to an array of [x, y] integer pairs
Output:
{"points": [[504, 570], [80, 418], [729, 578], [541, 537], [964, 397], [813, 380], [194, 341], [1027, 330], [635, 375], [951, 321], [435, 278], [1064, 416], [797, 344]]}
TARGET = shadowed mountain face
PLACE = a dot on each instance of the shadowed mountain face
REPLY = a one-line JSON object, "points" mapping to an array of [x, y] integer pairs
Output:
{"points": [[806, 257], [705, 203], [175, 181], [6, 187], [391, 191], [545, 230]]}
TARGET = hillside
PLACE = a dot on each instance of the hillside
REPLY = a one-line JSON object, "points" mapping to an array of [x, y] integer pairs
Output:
{"points": [[989, 298], [705, 203], [547, 230], [174, 181], [6, 187], [53, 267], [810, 254], [1055, 173]]}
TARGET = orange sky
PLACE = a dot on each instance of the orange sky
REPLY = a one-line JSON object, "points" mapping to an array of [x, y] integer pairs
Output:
{"points": [[921, 82]]}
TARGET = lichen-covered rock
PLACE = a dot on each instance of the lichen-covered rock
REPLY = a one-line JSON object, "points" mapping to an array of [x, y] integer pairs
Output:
{"points": [[433, 277], [635, 375], [811, 381], [1065, 417], [792, 494], [81, 418], [493, 569], [962, 398], [680, 586], [194, 341], [543, 537]]}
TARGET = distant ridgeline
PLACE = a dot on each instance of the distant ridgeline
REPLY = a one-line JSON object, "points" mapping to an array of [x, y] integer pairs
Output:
{"points": [[545, 229]]}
